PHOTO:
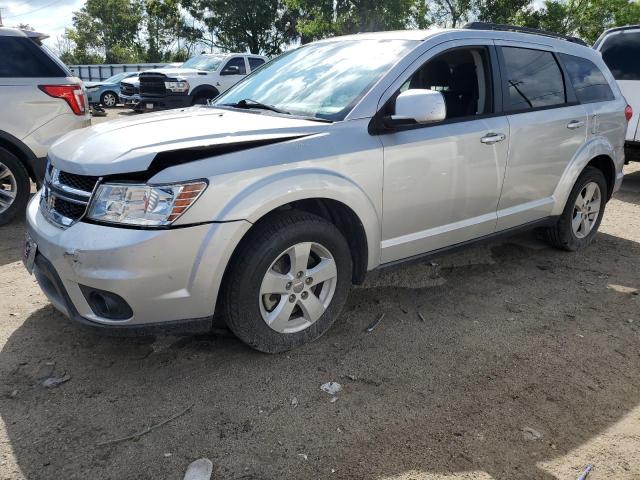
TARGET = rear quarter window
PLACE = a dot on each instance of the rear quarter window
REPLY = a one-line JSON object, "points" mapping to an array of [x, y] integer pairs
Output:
{"points": [[255, 63], [621, 52], [587, 79], [534, 79], [21, 57]]}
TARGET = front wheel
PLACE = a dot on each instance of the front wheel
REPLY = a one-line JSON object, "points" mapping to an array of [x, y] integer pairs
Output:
{"points": [[288, 281], [582, 214], [109, 99]]}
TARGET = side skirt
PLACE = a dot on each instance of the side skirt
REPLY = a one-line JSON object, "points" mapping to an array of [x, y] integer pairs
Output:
{"points": [[544, 222]]}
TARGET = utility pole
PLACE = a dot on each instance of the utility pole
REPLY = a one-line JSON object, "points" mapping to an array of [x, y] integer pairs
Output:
{"points": [[0, 17]]}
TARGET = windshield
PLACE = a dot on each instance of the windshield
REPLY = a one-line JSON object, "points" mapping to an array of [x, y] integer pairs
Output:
{"points": [[203, 62], [117, 77], [323, 80]]}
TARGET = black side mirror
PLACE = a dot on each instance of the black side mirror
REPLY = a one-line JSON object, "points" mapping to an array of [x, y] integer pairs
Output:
{"points": [[231, 70]]}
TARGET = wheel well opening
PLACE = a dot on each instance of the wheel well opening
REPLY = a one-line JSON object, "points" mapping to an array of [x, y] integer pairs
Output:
{"points": [[19, 155], [607, 167]]}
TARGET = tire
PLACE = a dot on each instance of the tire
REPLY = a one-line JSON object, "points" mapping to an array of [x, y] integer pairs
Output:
{"points": [[203, 98], [14, 182], [109, 99], [563, 235], [247, 308]]}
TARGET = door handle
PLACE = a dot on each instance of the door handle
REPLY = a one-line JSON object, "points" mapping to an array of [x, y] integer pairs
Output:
{"points": [[573, 124], [491, 138]]}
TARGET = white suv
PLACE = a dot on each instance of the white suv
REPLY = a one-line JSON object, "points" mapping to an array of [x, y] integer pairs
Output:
{"points": [[40, 101], [334, 159], [620, 49], [196, 81]]}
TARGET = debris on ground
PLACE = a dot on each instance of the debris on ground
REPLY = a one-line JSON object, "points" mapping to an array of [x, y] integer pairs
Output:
{"points": [[304, 455], [421, 317], [294, 402], [586, 472], [531, 434], [53, 382], [372, 326], [332, 388], [200, 469], [333, 399], [135, 436]]}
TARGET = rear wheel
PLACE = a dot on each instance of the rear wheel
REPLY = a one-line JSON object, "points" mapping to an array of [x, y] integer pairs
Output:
{"points": [[109, 99], [582, 214], [14, 186], [288, 282]]}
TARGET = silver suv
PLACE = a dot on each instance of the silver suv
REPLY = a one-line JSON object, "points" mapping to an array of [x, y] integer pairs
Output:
{"points": [[40, 101], [335, 159]]}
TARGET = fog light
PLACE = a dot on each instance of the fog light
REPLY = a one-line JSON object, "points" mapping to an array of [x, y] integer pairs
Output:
{"points": [[107, 304]]}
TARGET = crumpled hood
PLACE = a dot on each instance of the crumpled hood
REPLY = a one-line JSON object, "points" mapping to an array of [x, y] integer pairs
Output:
{"points": [[176, 72], [93, 84], [130, 145]]}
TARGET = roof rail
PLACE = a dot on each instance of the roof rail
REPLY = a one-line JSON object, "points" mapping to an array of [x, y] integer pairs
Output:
{"points": [[513, 28]]}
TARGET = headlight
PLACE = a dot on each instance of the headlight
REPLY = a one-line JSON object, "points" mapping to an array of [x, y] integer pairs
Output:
{"points": [[179, 86], [143, 205]]}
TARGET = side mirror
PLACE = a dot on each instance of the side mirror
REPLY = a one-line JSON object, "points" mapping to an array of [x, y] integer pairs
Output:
{"points": [[231, 70], [418, 106]]}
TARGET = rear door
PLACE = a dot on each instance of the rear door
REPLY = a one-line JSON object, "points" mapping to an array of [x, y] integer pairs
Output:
{"points": [[547, 127], [621, 52]]}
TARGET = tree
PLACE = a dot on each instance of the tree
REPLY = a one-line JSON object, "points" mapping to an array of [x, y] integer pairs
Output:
{"points": [[501, 11], [110, 28], [258, 26], [163, 25]]}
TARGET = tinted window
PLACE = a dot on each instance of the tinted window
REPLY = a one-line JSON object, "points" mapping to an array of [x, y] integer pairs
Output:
{"points": [[621, 53], [255, 62], [534, 79], [237, 62], [587, 79], [462, 76], [21, 57]]}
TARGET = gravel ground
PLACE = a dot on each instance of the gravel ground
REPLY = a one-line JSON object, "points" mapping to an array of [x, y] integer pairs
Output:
{"points": [[526, 366]]}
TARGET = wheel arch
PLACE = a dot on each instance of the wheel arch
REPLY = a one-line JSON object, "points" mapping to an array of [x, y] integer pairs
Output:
{"points": [[24, 154], [203, 89], [598, 153]]}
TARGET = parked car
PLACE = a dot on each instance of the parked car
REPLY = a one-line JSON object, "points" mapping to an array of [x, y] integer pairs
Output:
{"points": [[196, 81], [130, 91], [620, 49], [343, 156], [40, 101], [107, 92]]}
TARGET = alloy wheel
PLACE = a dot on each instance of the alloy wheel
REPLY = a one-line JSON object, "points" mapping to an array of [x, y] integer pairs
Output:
{"points": [[8, 188], [298, 287], [586, 210], [109, 100]]}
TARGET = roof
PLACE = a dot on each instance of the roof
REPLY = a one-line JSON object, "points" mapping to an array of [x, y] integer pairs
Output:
{"points": [[613, 30], [15, 32]]}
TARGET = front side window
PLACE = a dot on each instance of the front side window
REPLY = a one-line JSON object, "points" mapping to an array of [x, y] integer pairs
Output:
{"points": [[23, 58], [208, 63], [534, 79], [587, 79], [236, 62], [323, 80], [462, 76], [621, 52]]}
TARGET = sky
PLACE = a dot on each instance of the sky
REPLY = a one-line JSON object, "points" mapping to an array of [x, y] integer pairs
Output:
{"points": [[46, 16]]}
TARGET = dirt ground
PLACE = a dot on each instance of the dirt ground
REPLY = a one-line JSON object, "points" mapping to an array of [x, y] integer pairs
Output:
{"points": [[526, 366]]}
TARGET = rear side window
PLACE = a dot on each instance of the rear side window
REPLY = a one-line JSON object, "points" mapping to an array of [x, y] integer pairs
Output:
{"points": [[621, 53], [22, 58], [587, 79], [533, 78], [255, 62]]}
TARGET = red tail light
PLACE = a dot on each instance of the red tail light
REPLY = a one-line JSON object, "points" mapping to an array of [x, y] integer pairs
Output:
{"points": [[72, 94], [628, 113]]}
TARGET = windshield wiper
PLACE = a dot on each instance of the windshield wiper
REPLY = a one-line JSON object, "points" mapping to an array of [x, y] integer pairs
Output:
{"points": [[248, 103]]}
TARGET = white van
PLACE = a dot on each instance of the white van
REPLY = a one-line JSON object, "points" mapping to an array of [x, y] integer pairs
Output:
{"points": [[620, 49]]}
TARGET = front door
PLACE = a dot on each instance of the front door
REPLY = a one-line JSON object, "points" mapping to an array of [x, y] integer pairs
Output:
{"points": [[442, 181], [233, 71]]}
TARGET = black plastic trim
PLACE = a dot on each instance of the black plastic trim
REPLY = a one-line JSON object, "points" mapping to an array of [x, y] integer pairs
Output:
{"points": [[502, 27], [35, 166], [544, 222], [631, 151]]}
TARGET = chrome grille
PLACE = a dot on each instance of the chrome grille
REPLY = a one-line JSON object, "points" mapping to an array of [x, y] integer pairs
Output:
{"points": [[65, 196]]}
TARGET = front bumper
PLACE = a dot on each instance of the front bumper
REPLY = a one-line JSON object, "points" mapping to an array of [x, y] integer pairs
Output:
{"points": [[169, 278], [127, 100], [166, 102]]}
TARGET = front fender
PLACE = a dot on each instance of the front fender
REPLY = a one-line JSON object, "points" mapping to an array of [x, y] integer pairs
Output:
{"points": [[594, 147], [269, 193]]}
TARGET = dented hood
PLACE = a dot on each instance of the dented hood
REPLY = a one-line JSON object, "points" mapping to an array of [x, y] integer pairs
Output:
{"points": [[130, 145]]}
